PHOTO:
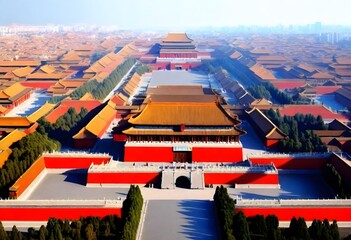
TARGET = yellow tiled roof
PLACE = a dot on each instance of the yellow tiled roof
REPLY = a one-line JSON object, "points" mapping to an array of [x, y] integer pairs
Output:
{"points": [[12, 91], [193, 114], [48, 69], [11, 138], [22, 72], [15, 122], [42, 111], [96, 126]]}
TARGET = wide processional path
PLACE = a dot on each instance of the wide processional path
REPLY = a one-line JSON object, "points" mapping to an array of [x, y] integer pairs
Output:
{"points": [[180, 219]]}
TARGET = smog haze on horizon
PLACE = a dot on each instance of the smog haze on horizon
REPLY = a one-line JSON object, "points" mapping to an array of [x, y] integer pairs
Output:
{"points": [[180, 14]]}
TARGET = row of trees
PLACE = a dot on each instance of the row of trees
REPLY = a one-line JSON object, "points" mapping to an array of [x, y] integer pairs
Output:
{"points": [[24, 153], [268, 91], [299, 128], [101, 89], [89, 228], [268, 228], [264, 228], [65, 126], [336, 181], [238, 226], [259, 91]]}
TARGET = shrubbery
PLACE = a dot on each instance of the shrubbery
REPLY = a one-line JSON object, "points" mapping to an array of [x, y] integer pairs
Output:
{"points": [[299, 130], [65, 126], [24, 153], [143, 68]]}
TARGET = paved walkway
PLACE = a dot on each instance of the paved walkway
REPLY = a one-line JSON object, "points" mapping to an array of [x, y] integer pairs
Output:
{"points": [[250, 141], [180, 219], [35, 101]]}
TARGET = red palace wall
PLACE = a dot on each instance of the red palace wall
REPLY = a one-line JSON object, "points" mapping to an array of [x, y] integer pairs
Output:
{"points": [[44, 213], [21, 99], [161, 66], [291, 162], [178, 55], [240, 178], [74, 162], [148, 154], [203, 154], [172, 66], [27, 178], [51, 162], [185, 66], [124, 178], [165, 154], [309, 213]]}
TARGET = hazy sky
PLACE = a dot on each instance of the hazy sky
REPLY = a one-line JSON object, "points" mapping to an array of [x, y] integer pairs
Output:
{"points": [[177, 14]]}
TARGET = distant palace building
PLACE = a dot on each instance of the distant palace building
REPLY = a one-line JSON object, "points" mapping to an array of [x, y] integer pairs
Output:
{"points": [[177, 52], [177, 45], [181, 124]]}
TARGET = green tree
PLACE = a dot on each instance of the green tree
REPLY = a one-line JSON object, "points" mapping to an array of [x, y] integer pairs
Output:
{"points": [[57, 232], [241, 227], [298, 229], [32, 234], [3, 234], [315, 230], [131, 212], [302, 230], [225, 208], [89, 232], [257, 225], [43, 233], [15, 234], [334, 230]]}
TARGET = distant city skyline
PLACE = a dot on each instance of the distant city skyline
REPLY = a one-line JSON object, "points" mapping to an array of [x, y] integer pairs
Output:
{"points": [[175, 15]]}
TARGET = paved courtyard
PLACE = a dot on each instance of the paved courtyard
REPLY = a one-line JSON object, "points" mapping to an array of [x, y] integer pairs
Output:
{"points": [[71, 185], [178, 78], [292, 186], [180, 219]]}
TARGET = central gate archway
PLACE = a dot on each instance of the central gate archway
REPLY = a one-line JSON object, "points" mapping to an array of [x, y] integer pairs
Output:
{"points": [[183, 182]]}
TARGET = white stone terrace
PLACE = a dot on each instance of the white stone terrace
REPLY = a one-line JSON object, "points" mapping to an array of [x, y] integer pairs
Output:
{"points": [[292, 202], [74, 154], [114, 166], [294, 155], [178, 60], [117, 203]]}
